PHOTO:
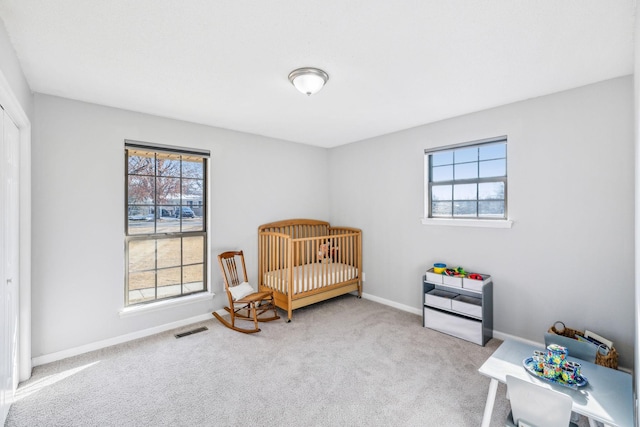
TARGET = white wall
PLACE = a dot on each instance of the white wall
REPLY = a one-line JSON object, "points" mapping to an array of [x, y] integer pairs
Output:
{"points": [[78, 211], [570, 253], [12, 72]]}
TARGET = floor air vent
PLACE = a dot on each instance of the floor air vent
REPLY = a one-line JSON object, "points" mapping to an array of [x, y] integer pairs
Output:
{"points": [[194, 331]]}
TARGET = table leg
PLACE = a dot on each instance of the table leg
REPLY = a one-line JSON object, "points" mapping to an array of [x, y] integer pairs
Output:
{"points": [[491, 400]]}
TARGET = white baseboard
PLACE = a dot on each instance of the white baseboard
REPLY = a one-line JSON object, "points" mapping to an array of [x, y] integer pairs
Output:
{"points": [[393, 304], [52, 357]]}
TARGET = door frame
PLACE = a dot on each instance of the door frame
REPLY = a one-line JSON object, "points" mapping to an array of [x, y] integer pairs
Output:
{"points": [[13, 108]]}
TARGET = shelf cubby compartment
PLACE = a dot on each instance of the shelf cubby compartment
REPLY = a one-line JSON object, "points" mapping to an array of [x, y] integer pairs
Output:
{"points": [[440, 299]]}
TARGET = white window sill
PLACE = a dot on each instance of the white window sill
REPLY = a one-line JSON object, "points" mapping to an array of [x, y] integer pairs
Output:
{"points": [[486, 223], [164, 304]]}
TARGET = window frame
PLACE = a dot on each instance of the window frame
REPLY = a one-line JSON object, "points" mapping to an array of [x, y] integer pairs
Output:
{"points": [[159, 236], [478, 221]]}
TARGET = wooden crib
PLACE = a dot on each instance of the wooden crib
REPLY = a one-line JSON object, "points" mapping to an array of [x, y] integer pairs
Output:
{"points": [[304, 261]]}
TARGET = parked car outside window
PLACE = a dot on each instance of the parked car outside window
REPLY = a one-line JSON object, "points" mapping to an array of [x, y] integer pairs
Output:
{"points": [[187, 212]]}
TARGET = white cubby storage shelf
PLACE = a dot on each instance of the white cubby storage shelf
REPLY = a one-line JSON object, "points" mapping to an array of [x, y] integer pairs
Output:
{"points": [[458, 306]]}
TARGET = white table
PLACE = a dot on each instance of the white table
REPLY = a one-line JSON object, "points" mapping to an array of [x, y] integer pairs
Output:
{"points": [[608, 396]]}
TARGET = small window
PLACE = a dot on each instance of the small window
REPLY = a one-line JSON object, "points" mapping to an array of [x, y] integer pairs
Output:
{"points": [[467, 181], [165, 227]]}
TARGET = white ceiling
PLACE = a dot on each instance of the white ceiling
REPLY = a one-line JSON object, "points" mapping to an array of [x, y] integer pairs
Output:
{"points": [[393, 64]]}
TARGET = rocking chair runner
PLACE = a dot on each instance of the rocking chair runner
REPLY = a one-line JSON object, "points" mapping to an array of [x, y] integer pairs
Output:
{"points": [[244, 302]]}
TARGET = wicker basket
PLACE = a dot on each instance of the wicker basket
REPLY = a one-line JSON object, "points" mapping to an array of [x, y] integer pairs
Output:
{"points": [[610, 360]]}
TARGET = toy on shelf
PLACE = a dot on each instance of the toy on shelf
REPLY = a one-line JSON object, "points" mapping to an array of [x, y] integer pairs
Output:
{"points": [[455, 272], [439, 267], [457, 277]]}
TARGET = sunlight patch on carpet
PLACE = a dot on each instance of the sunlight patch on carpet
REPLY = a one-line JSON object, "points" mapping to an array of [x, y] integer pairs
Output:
{"points": [[36, 386]]}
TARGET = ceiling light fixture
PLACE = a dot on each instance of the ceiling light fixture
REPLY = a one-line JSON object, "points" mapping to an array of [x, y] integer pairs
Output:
{"points": [[308, 80]]}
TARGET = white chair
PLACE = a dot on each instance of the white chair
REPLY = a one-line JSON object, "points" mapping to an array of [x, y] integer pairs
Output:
{"points": [[582, 350], [535, 406]]}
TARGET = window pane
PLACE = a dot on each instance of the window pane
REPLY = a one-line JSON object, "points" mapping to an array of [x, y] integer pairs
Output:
{"points": [[142, 280], [193, 278], [140, 220], [192, 191], [192, 167], [193, 250], [165, 212], [491, 209], [442, 173], [142, 255], [465, 192], [142, 287], [168, 191], [141, 163], [440, 209], [493, 151], [441, 192], [141, 190], [442, 158], [466, 171], [491, 190], [169, 282], [168, 165], [169, 253], [491, 168], [167, 222], [465, 209], [192, 224], [465, 155], [168, 225], [139, 212], [137, 228]]}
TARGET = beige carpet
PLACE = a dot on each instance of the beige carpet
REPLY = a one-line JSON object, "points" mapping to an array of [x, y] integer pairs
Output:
{"points": [[344, 362]]}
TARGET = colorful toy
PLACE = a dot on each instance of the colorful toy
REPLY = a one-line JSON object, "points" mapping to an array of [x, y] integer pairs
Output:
{"points": [[439, 268], [457, 272], [555, 365]]}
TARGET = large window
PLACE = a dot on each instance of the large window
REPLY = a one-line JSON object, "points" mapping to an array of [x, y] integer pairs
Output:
{"points": [[467, 181], [166, 233]]}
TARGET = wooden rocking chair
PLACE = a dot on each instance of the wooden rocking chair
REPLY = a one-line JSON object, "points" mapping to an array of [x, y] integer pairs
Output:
{"points": [[244, 302]]}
